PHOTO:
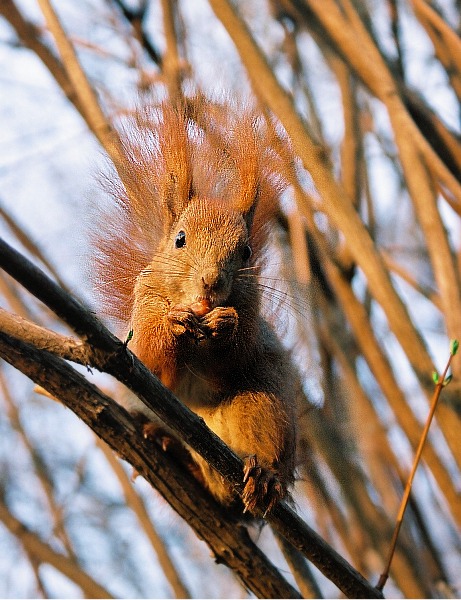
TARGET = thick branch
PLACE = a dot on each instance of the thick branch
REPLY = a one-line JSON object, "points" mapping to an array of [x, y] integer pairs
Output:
{"points": [[229, 542], [43, 339], [111, 356]]}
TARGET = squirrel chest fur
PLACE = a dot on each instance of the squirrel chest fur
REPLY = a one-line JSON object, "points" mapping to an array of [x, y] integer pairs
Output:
{"points": [[178, 264]]}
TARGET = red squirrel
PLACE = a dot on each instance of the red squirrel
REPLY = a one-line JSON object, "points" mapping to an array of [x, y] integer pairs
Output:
{"points": [[179, 258]]}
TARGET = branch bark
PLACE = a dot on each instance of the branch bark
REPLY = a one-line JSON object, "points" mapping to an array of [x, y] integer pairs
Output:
{"points": [[110, 355], [228, 541]]}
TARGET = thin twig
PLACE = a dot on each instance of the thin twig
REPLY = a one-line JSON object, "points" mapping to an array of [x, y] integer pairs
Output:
{"points": [[44, 553], [92, 110], [441, 382], [135, 18]]}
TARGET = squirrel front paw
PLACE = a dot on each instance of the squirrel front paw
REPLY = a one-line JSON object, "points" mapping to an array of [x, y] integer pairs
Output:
{"points": [[263, 489], [221, 322], [184, 321]]}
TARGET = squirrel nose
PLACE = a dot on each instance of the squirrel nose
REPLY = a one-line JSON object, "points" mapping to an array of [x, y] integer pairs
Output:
{"points": [[211, 281]]}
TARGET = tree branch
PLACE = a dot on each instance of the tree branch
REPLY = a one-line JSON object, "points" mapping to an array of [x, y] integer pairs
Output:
{"points": [[43, 339], [110, 355], [228, 541], [92, 111], [44, 553]]}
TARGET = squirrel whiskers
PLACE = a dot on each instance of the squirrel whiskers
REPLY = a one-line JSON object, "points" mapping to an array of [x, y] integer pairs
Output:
{"points": [[178, 263]]}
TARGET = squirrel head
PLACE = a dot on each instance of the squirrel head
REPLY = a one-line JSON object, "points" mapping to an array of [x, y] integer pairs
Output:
{"points": [[204, 252], [194, 199]]}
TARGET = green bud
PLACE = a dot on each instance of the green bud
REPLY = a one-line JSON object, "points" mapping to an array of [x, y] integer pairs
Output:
{"points": [[435, 377], [447, 380], [454, 345]]}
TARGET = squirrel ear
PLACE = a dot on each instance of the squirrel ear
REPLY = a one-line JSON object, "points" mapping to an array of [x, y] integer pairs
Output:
{"points": [[176, 173], [176, 194], [248, 208], [245, 141]]}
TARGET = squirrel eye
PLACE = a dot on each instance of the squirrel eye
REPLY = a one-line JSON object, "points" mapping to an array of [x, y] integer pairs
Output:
{"points": [[247, 252], [180, 239]]}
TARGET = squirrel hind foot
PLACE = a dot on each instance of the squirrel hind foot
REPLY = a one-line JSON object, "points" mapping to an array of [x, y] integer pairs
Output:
{"points": [[263, 488], [160, 436]]}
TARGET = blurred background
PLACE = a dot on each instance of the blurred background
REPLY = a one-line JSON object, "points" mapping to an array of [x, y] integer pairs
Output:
{"points": [[365, 251]]}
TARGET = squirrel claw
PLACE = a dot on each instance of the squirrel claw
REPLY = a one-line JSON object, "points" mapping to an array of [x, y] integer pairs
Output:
{"points": [[183, 321], [156, 434], [221, 322], [249, 463], [262, 487]]}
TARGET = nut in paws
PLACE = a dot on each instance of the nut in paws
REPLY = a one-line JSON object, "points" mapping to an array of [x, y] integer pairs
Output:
{"points": [[221, 322]]}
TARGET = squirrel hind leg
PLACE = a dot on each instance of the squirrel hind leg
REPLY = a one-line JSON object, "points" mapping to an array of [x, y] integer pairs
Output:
{"points": [[161, 436], [263, 488]]}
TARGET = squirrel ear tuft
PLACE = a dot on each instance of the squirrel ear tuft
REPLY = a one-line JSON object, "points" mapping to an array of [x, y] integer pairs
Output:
{"points": [[176, 195], [247, 166], [248, 209], [175, 153]]}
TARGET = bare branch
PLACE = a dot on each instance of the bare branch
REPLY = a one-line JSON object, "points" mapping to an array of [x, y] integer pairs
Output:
{"points": [[92, 111], [44, 553], [111, 356], [229, 543], [64, 346]]}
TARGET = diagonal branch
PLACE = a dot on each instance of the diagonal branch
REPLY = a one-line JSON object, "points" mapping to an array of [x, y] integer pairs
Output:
{"points": [[43, 339], [229, 543], [85, 94], [44, 553], [110, 355]]}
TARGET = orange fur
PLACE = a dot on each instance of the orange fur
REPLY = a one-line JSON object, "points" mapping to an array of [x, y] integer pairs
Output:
{"points": [[209, 176]]}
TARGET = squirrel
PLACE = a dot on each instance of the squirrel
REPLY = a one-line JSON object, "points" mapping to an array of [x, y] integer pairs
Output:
{"points": [[179, 254]]}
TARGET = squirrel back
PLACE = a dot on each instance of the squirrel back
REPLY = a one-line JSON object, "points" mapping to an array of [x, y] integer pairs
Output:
{"points": [[178, 262]]}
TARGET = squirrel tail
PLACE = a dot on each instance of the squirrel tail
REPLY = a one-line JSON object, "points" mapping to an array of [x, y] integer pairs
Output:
{"points": [[197, 149]]}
